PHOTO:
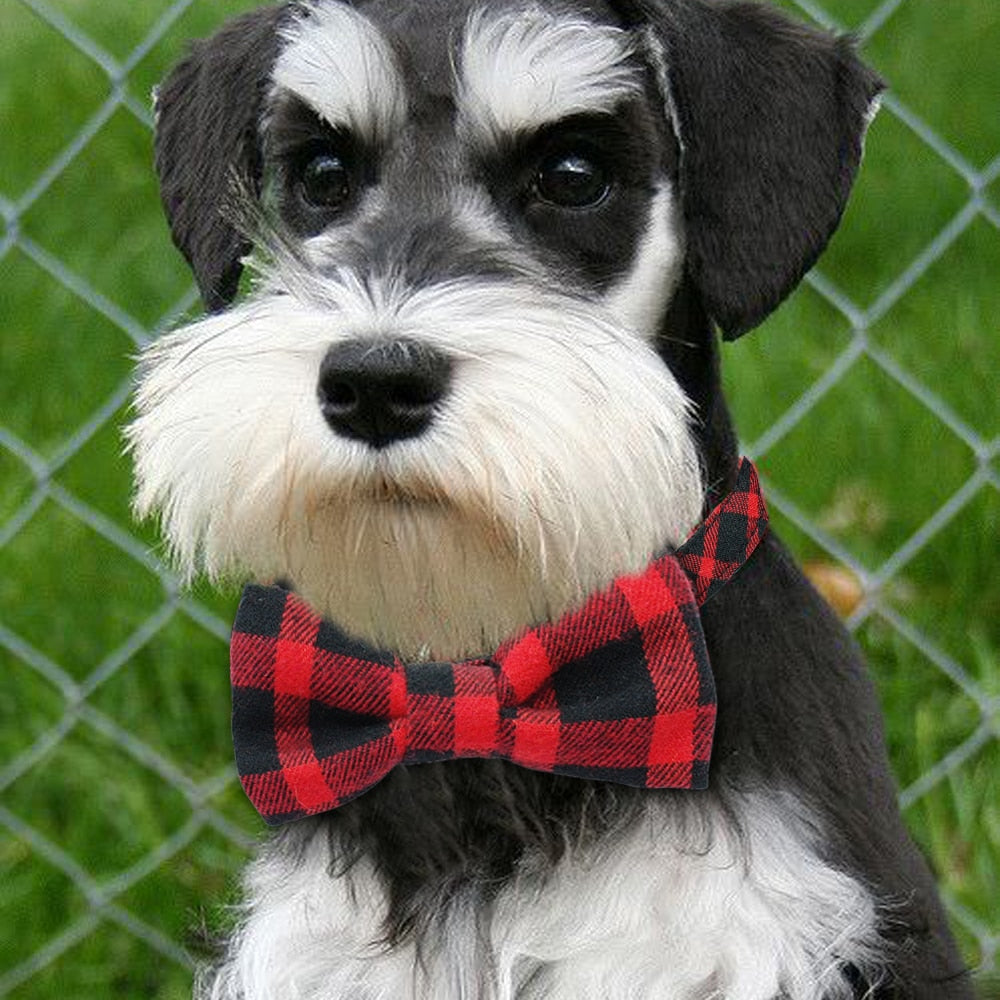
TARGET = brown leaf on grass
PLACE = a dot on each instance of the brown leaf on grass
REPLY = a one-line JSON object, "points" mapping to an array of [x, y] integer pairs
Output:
{"points": [[840, 588]]}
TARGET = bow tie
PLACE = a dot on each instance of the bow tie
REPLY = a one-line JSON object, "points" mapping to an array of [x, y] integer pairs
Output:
{"points": [[620, 690]]}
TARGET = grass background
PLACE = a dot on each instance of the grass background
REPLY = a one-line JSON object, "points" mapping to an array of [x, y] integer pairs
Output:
{"points": [[121, 829]]}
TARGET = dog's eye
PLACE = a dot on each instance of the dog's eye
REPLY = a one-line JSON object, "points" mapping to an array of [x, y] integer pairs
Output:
{"points": [[325, 180], [571, 180]]}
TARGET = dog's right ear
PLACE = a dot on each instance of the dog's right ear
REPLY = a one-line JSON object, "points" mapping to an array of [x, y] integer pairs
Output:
{"points": [[208, 115]]}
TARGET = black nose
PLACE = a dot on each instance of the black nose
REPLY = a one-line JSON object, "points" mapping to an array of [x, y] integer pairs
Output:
{"points": [[382, 392]]}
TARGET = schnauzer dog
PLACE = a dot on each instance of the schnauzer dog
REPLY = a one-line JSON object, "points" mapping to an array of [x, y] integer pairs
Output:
{"points": [[474, 382]]}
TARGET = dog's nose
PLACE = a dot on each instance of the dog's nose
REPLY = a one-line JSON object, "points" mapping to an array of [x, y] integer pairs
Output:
{"points": [[380, 392]]}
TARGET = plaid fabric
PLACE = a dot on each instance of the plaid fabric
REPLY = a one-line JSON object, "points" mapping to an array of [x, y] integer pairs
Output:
{"points": [[620, 690]]}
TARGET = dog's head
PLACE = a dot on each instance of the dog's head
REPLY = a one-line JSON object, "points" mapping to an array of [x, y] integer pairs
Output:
{"points": [[476, 375]]}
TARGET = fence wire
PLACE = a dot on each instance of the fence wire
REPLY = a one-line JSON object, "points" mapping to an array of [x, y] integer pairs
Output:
{"points": [[103, 896]]}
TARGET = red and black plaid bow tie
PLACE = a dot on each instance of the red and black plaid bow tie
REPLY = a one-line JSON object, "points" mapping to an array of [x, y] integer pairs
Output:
{"points": [[620, 690]]}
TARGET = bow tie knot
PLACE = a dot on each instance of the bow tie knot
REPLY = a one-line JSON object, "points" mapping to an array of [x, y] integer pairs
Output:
{"points": [[451, 713], [619, 690]]}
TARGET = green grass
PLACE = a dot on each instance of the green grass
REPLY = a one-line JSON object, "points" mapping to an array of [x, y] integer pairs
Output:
{"points": [[869, 465]]}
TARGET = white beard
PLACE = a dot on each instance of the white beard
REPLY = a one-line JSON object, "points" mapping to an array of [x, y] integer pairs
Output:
{"points": [[562, 457]]}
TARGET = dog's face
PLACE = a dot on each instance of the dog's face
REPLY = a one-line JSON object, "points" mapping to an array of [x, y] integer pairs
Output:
{"points": [[446, 410]]}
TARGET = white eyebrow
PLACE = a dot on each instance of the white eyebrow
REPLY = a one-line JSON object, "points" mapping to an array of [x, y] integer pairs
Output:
{"points": [[524, 69], [338, 62]]}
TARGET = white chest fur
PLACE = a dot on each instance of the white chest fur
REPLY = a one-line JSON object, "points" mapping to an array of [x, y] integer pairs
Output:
{"points": [[689, 904]]}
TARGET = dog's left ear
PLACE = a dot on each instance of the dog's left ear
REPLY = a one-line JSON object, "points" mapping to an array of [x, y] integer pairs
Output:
{"points": [[771, 118], [207, 140]]}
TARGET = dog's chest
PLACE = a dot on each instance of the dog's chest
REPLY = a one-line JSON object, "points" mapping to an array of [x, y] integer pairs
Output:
{"points": [[679, 907]]}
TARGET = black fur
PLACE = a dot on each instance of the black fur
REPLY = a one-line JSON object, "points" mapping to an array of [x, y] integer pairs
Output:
{"points": [[797, 710], [208, 115], [771, 118]]}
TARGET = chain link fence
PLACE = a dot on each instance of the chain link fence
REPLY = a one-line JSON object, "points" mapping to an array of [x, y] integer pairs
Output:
{"points": [[103, 899]]}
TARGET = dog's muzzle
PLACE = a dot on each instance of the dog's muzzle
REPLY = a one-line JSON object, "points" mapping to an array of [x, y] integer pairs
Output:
{"points": [[379, 392]]}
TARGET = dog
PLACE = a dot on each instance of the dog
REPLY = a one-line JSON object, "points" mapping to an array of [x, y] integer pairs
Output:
{"points": [[474, 380]]}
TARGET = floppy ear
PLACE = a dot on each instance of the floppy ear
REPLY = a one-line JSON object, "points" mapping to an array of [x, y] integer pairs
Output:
{"points": [[207, 137], [771, 118]]}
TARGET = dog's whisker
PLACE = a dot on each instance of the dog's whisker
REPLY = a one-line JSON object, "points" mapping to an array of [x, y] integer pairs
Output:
{"points": [[203, 342]]}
